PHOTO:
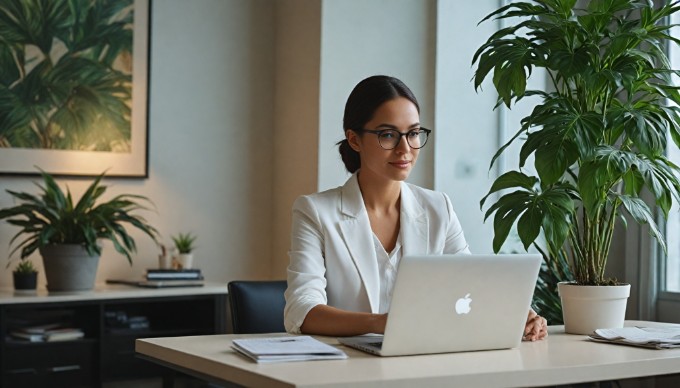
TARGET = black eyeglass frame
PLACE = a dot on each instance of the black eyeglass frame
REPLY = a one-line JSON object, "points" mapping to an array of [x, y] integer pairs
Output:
{"points": [[379, 132]]}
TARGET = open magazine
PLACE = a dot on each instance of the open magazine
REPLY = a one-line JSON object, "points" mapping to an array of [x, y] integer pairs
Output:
{"points": [[647, 337]]}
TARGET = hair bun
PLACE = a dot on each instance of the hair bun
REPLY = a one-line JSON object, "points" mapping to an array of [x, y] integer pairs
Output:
{"points": [[350, 157]]}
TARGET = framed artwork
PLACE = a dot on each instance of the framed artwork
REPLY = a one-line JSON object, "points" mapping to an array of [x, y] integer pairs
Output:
{"points": [[73, 87]]}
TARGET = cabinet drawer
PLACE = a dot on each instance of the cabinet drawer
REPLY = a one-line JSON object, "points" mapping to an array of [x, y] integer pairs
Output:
{"points": [[59, 364], [63, 378], [45, 355]]}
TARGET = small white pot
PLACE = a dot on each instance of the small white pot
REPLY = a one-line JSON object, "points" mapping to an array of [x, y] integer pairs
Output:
{"points": [[185, 260], [586, 308]]}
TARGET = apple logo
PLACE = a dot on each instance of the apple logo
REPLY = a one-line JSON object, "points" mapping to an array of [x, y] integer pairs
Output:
{"points": [[463, 305]]}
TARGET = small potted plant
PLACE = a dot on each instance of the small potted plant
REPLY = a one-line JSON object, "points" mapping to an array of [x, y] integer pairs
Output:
{"points": [[25, 276], [184, 243]]}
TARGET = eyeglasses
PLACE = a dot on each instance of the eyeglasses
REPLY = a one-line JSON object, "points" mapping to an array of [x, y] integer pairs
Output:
{"points": [[389, 139]]}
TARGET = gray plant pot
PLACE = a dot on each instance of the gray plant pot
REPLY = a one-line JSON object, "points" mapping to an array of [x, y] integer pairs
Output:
{"points": [[69, 267]]}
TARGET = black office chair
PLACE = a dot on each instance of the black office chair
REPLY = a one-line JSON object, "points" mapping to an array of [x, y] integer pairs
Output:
{"points": [[257, 306]]}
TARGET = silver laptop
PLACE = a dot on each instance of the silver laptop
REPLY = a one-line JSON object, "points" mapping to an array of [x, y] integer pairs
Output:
{"points": [[455, 303]]}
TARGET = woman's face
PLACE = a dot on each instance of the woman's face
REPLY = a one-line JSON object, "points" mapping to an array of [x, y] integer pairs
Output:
{"points": [[392, 165]]}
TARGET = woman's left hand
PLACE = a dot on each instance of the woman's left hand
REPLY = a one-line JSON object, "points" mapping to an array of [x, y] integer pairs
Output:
{"points": [[536, 327]]}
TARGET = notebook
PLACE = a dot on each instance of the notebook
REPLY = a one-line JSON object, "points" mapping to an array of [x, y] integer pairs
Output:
{"points": [[455, 303]]}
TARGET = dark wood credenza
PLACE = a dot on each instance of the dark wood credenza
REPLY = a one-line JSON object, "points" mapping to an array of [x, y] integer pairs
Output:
{"points": [[107, 352]]}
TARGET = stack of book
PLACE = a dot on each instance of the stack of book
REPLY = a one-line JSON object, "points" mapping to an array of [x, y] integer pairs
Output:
{"points": [[174, 277], [47, 333], [174, 274], [160, 278]]}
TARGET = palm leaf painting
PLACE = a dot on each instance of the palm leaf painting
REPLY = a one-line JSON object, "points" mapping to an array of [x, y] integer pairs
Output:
{"points": [[66, 74]]}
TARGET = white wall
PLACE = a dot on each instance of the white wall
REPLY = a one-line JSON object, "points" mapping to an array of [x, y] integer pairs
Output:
{"points": [[362, 38], [210, 148], [467, 127]]}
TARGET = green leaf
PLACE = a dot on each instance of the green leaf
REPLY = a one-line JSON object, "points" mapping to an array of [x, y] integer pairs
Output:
{"points": [[639, 210], [529, 225], [633, 183], [502, 225], [509, 180], [554, 158]]}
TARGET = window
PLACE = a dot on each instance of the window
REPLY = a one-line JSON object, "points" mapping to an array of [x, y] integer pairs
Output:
{"points": [[671, 278], [672, 263]]}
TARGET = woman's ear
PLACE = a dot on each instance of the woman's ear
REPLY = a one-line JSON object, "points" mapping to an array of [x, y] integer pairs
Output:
{"points": [[353, 140]]}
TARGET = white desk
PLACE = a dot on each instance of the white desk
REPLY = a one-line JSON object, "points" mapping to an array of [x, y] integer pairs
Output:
{"points": [[561, 359]]}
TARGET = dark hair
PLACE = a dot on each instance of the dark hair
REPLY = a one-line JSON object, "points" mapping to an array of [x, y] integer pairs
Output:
{"points": [[361, 105]]}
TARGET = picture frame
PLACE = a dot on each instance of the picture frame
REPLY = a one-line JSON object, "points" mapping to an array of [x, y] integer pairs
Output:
{"points": [[98, 120]]}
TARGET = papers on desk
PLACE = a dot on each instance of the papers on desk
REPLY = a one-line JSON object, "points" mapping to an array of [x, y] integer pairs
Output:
{"points": [[282, 349], [647, 337]]}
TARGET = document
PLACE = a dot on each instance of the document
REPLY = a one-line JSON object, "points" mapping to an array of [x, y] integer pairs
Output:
{"points": [[647, 337], [283, 349]]}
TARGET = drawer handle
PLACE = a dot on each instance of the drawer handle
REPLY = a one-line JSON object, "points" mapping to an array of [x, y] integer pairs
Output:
{"points": [[22, 371], [65, 368]]}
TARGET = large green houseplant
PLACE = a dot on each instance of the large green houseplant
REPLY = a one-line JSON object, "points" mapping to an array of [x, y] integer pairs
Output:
{"points": [[597, 136], [61, 229]]}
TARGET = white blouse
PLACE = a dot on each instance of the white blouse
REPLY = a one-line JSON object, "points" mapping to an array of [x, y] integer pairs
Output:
{"points": [[387, 264]]}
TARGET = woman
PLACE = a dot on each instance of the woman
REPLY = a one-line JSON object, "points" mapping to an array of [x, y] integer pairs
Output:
{"points": [[346, 242]]}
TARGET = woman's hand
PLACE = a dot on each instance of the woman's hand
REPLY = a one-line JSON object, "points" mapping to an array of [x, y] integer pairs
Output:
{"points": [[536, 327], [331, 321]]}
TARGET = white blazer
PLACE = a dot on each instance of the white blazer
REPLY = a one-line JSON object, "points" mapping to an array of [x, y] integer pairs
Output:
{"points": [[332, 255]]}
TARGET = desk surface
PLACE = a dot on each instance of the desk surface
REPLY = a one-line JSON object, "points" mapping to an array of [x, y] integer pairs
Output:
{"points": [[561, 359]]}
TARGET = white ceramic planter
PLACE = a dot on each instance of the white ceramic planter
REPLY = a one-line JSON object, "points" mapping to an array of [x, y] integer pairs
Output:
{"points": [[185, 260], [586, 308], [69, 267]]}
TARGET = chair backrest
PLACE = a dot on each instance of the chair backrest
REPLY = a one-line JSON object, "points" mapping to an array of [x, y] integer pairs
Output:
{"points": [[257, 306]]}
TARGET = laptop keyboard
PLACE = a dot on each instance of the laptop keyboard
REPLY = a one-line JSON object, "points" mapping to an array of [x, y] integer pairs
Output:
{"points": [[369, 345]]}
